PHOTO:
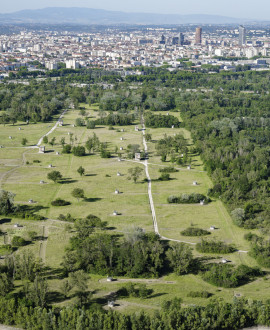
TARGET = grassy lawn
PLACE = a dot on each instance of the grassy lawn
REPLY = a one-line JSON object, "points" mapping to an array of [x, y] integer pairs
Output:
{"points": [[22, 176]]}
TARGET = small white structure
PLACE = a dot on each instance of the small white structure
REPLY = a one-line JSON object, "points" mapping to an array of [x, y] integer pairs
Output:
{"points": [[116, 191], [111, 304], [17, 225], [73, 125], [121, 148], [50, 166], [167, 113], [109, 279], [121, 138], [122, 130], [172, 126], [57, 153], [1, 147], [212, 228], [10, 137], [224, 261], [189, 167], [119, 159], [19, 128], [115, 213], [41, 150], [118, 174], [202, 202], [136, 128], [137, 156], [41, 182], [195, 183], [31, 201], [68, 133], [182, 155], [61, 123]]}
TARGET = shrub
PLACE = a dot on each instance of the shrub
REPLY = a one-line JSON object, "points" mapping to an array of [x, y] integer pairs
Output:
{"points": [[28, 216], [60, 202], [18, 241], [199, 294], [135, 290], [238, 216], [191, 231], [168, 170], [67, 217], [66, 149], [5, 249], [188, 199], [79, 122], [90, 124], [164, 177], [228, 276], [78, 151], [36, 161], [214, 247], [105, 154]]}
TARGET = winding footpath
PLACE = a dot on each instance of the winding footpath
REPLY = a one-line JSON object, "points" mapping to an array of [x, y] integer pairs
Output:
{"points": [[152, 206], [151, 201]]}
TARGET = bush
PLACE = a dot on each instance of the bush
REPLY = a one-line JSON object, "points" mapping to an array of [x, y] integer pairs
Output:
{"points": [[90, 124], [78, 151], [79, 122], [5, 249], [67, 217], [238, 216], [18, 241], [66, 149], [191, 231], [60, 202], [36, 161], [164, 177], [188, 199], [105, 154], [199, 294], [135, 290], [214, 247], [168, 170], [228, 276], [28, 216]]}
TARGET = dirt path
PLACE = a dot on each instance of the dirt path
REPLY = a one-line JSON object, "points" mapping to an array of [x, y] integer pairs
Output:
{"points": [[7, 174], [51, 130], [43, 243], [151, 201]]}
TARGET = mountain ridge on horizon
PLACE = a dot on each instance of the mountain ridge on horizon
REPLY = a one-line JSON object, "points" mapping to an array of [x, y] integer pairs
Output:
{"points": [[81, 15]]}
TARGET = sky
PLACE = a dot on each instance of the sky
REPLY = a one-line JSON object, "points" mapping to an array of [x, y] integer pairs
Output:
{"points": [[259, 9]]}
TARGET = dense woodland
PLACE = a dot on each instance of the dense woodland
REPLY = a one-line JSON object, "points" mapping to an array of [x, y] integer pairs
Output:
{"points": [[228, 116]]}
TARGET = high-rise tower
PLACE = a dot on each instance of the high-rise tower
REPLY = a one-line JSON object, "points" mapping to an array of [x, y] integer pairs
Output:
{"points": [[242, 35], [198, 36], [181, 38]]}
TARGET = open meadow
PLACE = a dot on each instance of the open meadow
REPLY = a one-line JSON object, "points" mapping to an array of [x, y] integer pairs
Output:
{"points": [[22, 168]]}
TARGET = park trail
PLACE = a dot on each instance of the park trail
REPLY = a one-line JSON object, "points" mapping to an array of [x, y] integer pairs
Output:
{"points": [[151, 201]]}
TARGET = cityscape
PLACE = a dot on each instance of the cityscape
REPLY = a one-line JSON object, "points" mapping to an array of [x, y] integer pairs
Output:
{"points": [[224, 48], [135, 165]]}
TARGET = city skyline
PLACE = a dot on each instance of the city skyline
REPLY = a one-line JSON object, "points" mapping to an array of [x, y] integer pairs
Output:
{"points": [[239, 9]]}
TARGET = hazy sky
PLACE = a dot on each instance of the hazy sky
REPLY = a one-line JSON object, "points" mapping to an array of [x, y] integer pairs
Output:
{"points": [[259, 9]]}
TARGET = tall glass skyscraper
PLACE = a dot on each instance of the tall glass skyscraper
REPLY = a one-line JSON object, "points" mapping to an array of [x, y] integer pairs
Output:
{"points": [[242, 35]]}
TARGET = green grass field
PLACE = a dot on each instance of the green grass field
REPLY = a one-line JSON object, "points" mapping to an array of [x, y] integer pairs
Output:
{"points": [[21, 175]]}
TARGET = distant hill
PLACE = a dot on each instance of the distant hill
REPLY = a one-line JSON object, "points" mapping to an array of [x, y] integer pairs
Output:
{"points": [[63, 15]]}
